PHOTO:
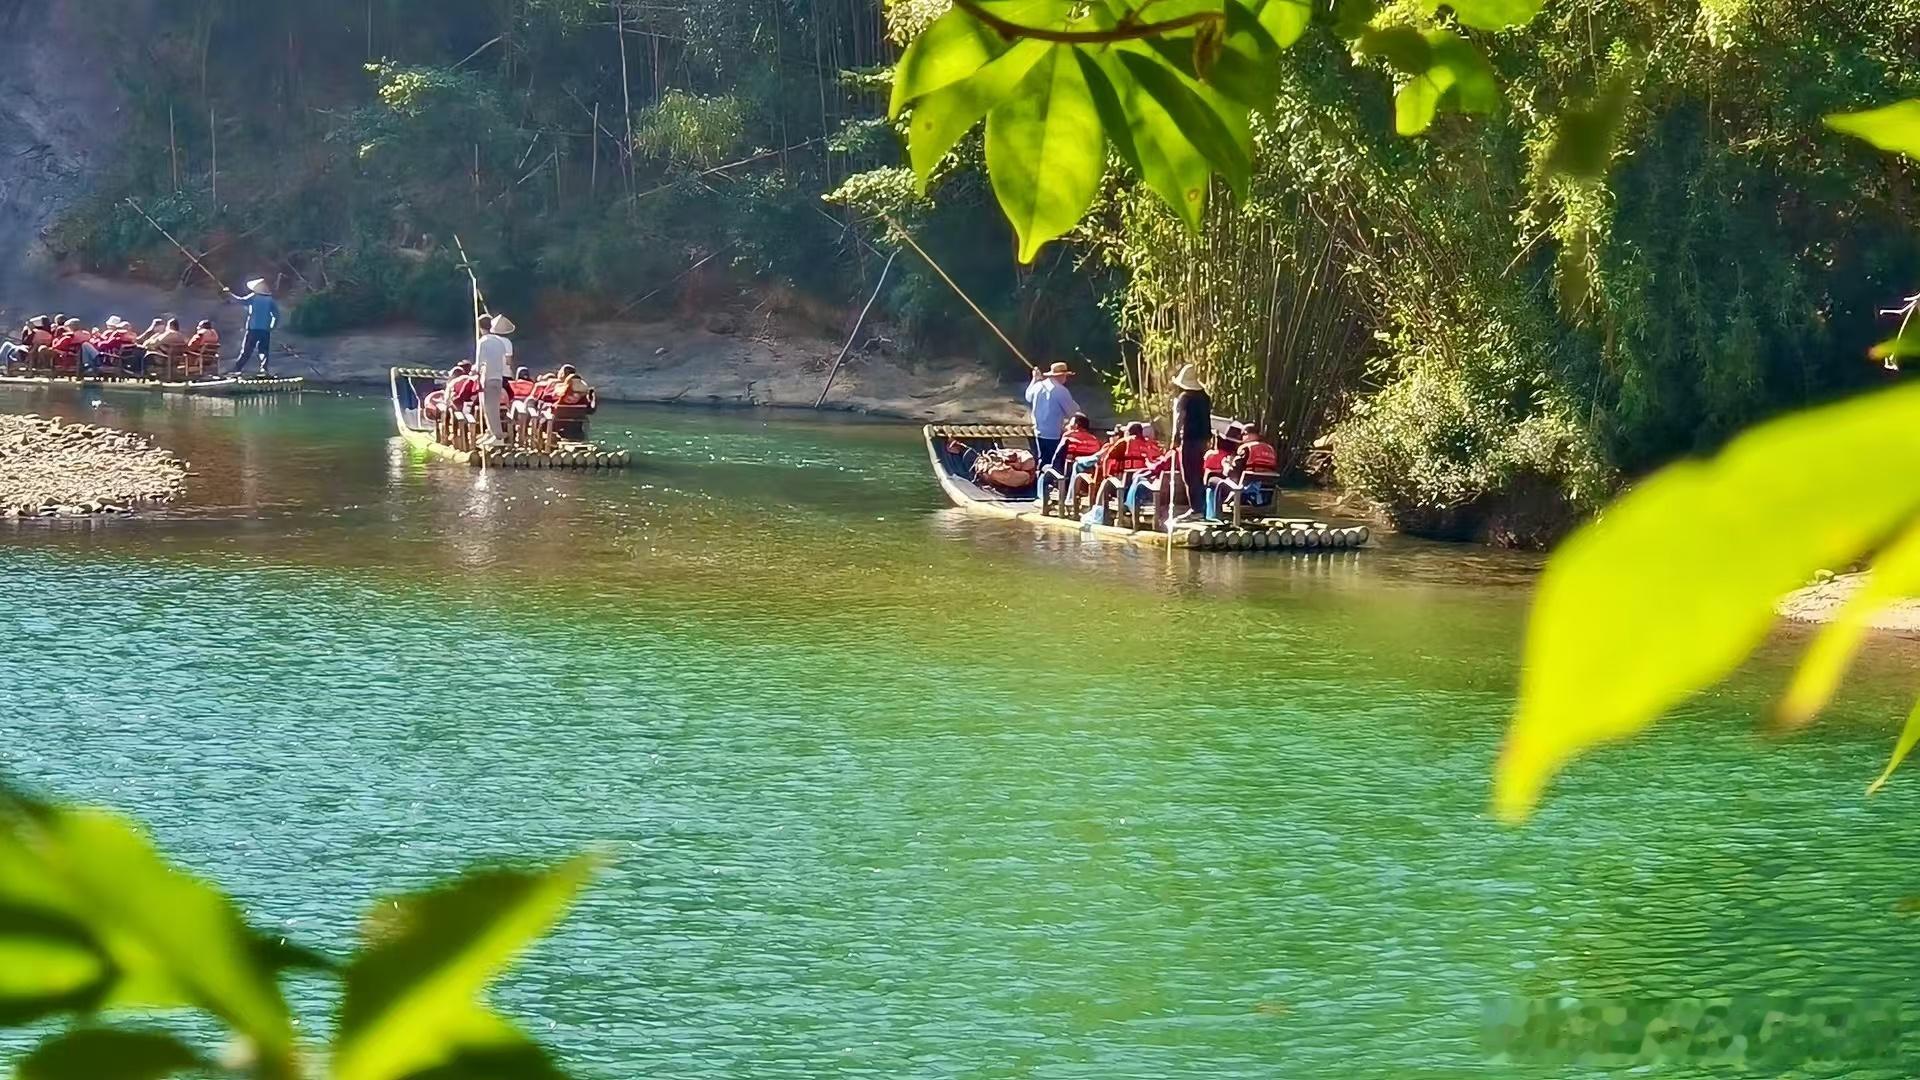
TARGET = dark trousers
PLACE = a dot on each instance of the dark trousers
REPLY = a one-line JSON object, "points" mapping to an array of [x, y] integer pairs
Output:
{"points": [[256, 343], [1193, 468], [1049, 449]]}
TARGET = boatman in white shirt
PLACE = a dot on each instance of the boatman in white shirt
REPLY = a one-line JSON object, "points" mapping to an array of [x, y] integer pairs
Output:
{"points": [[1051, 403], [492, 361]]}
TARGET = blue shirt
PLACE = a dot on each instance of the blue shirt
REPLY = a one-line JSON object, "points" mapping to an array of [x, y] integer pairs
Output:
{"points": [[1052, 405], [262, 312]]}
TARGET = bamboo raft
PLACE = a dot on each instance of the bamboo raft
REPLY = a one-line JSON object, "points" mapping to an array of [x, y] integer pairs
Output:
{"points": [[1262, 534], [410, 389], [226, 386]]}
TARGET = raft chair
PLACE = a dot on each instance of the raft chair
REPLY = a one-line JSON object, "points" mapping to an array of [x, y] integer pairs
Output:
{"points": [[558, 423], [1160, 487], [1253, 490], [163, 363], [201, 362]]}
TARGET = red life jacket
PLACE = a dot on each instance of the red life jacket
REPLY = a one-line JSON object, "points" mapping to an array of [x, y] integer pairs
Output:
{"points": [[1130, 454], [1259, 457], [520, 388], [1082, 443], [463, 391], [435, 405], [1217, 461]]}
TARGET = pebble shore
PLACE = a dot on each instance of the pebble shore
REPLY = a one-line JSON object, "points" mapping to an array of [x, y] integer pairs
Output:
{"points": [[50, 467]]}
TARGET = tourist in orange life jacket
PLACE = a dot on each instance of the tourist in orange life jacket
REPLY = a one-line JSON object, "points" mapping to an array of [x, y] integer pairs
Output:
{"points": [[435, 405], [1131, 452], [1254, 456], [1224, 447], [68, 344], [36, 334]]}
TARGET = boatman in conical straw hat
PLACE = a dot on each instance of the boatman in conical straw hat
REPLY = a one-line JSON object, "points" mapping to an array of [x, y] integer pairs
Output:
{"points": [[492, 363], [1052, 404], [1192, 429], [263, 315]]}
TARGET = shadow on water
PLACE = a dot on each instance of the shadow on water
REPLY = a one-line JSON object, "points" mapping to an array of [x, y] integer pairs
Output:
{"points": [[900, 792]]}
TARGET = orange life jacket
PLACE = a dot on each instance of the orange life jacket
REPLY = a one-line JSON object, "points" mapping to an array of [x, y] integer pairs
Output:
{"points": [[1129, 454], [463, 390], [520, 388], [1082, 443], [1259, 457]]}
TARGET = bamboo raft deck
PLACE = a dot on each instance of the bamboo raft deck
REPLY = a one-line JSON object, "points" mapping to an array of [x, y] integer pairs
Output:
{"points": [[222, 387], [411, 387], [1261, 535]]}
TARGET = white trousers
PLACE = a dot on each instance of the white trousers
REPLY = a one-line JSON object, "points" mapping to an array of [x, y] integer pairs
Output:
{"points": [[492, 396]]}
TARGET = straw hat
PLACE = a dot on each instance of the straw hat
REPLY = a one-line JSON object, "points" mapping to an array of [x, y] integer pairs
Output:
{"points": [[1188, 379], [1058, 371], [503, 325], [259, 285], [115, 322]]}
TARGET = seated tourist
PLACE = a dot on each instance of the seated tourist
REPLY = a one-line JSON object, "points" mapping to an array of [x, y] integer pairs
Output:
{"points": [[69, 344], [1255, 455], [520, 387], [154, 330], [569, 388], [464, 390], [205, 337], [1224, 447], [36, 334]]}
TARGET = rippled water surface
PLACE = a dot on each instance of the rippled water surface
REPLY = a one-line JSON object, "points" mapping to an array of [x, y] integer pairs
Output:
{"points": [[894, 792]]}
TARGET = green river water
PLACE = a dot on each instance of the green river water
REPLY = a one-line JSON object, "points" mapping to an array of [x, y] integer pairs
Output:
{"points": [[895, 792]]}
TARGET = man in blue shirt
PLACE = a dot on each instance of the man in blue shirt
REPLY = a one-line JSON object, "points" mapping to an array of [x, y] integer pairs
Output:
{"points": [[262, 316], [1052, 405]]}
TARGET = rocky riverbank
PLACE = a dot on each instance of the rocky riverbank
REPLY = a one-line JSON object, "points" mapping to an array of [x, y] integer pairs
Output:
{"points": [[52, 468], [1821, 601]]}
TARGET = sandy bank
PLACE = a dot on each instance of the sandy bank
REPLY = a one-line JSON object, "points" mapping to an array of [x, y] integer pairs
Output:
{"points": [[1821, 602], [52, 468]]}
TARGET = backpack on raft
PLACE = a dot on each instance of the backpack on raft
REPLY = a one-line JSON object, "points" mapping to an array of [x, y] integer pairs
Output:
{"points": [[1008, 470]]}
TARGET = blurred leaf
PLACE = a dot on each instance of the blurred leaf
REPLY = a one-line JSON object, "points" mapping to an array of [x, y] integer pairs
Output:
{"points": [[941, 118], [1149, 139], [1222, 136], [1402, 46], [1476, 87], [1351, 17], [1896, 575], [108, 1054], [412, 990], [954, 47], [490, 1048], [1045, 153], [1417, 102], [1909, 738], [1676, 583], [1901, 346], [1495, 14], [1245, 68], [276, 953], [48, 965], [172, 939], [1583, 139], [1893, 127], [1285, 20]]}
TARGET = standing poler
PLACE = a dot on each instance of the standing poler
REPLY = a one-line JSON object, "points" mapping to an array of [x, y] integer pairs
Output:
{"points": [[1051, 402], [263, 314]]}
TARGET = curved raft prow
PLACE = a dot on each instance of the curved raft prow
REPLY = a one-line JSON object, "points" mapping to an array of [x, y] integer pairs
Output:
{"points": [[411, 387], [951, 448]]}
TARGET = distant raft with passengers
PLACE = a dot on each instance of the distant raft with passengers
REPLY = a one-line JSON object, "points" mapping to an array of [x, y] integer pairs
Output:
{"points": [[543, 430], [112, 358], [989, 469]]}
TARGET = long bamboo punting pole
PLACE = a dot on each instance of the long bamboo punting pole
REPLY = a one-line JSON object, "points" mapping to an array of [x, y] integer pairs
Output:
{"points": [[958, 291], [195, 259], [857, 324]]}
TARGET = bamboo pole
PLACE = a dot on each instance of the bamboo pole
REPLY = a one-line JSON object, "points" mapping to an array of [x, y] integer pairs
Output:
{"points": [[834, 372], [213, 136], [958, 291], [173, 150], [593, 182]]}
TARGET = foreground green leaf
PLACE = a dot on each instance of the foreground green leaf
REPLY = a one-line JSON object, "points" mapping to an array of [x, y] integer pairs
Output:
{"points": [[171, 939], [1495, 14], [1896, 575], [1893, 127], [108, 1054], [1909, 738], [1901, 346], [1045, 151], [1149, 139], [954, 47], [1286, 20], [412, 992], [1676, 584], [1216, 128], [1583, 139], [942, 117]]}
